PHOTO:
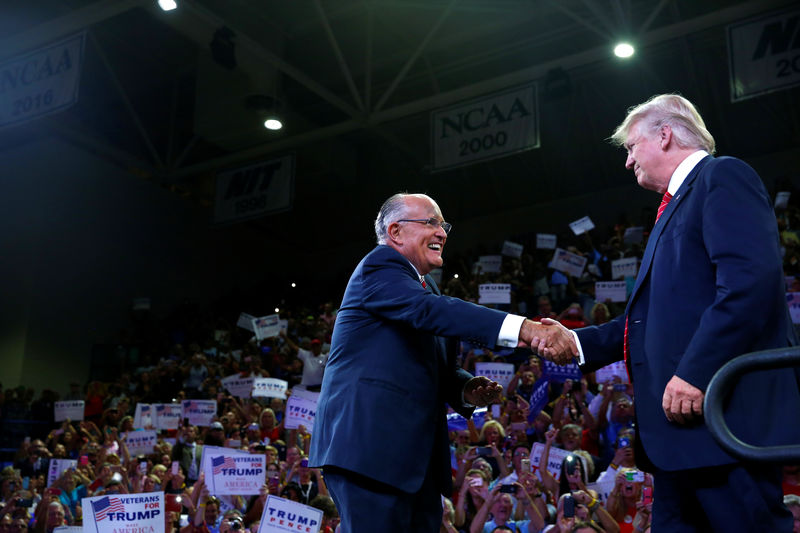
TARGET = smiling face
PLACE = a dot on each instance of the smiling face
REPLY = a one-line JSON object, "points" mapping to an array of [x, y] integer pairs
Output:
{"points": [[419, 242]]}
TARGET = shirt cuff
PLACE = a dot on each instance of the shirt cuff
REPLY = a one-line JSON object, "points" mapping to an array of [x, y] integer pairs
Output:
{"points": [[580, 358], [509, 331]]}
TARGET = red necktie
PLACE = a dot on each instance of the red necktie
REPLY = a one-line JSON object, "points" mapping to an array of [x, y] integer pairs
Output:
{"points": [[424, 285], [664, 201]]}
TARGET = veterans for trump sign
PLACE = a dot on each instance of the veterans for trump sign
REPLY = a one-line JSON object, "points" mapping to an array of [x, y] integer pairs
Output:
{"points": [[125, 512], [235, 473], [484, 128]]}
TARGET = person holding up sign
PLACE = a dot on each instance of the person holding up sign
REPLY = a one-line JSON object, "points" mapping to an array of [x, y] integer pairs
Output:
{"points": [[391, 371]]}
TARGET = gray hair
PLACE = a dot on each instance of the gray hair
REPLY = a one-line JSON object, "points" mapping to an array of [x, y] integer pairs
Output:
{"points": [[688, 129], [393, 210], [791, 500]]}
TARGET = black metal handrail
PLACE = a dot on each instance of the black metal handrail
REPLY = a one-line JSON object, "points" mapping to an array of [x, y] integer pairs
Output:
{"points": [[719, 388]]}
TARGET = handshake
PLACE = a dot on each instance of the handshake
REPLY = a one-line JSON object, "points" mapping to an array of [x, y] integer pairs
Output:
{"points": [[549, 339]]}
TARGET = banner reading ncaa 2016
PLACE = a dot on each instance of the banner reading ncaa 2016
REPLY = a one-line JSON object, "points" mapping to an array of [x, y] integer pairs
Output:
{"points": [[484, 128], [41, 82], [255, 190]]}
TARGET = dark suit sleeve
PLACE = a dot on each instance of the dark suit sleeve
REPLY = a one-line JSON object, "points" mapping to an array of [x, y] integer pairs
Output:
{"points": [[740, 237], [391, 291], [601, 345]]}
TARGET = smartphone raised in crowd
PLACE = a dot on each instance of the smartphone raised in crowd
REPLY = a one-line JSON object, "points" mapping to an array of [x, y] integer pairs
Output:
{"points": [[508, 489], [569, 506], [483, 450]]}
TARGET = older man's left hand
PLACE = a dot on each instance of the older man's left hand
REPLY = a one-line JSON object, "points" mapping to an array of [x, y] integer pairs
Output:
{"points": [[682, 401], [482, 391]]}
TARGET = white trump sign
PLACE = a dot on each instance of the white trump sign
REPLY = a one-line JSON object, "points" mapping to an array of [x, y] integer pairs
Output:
{"points": [[270, 388], [494, 293], [625, 267], [567, 262], [612, 291], [281, 515], [68, 411], [484, 128], [301, 410], [199, 412], [499, 372]]}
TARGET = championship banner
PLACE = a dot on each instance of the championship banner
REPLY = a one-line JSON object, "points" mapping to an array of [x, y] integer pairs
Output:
{"points": [[582, 225], [41, 82], [168, 415], [613, 291], [557, 456], [300, 410], [763, 54], [270, 388], [558, 373], [56, 467], [624, 268], [267, 326], [512, 249], [491, 264], [567, 262], [140, 442], [494, 293], [125, 512], [254, 191], [245, 321], [281, 515], [486, 127], [546, 241], [238, 386], [499, 372], [609, 372], [72, 411], [235, 473], [143, 417], [199, 412]]}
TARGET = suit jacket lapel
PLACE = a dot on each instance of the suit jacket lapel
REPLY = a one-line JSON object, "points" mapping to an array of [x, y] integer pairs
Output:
{"points": [[658, 229]]}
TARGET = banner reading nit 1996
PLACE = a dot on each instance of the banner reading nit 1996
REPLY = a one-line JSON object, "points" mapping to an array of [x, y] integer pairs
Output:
{"points": [[491, 126]]}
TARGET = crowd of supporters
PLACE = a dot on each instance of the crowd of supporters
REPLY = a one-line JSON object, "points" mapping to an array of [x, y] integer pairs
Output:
{"points": [[498, 458]]}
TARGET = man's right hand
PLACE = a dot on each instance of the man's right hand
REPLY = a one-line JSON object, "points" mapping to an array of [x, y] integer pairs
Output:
{"points": [[549, 339]]}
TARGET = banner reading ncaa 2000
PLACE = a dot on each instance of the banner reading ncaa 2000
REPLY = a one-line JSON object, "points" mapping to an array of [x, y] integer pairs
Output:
{"points": [[484, 128], [255, 190]]}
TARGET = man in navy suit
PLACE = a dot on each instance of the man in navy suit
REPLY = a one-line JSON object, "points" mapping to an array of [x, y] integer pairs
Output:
{"points": [[710, 287], [380, 433]]}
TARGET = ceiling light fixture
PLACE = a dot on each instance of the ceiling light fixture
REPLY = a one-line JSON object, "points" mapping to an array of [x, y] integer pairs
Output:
{"points": [[268, 109], [624, 50], [167, 5]]}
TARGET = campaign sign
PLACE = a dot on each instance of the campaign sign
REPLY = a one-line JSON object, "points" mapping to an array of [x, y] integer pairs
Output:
{"points": [[125, 512], [245, 321], [603, 489], [782, 199], [57, 467], [209, 450], [267, 326], [199, 412], [235, 473], [557, 456], [512, 249], [494, 293], [793, 300], [300, 410], [499, 372], [490, 263], [609, 372], [143, 417], [539, 397], [456, 422], [633, 235], [555, 372], [546, 241], [625, 267], [270, 388], [238, 386], [72, 410], [140, 442], [612, 291], [582, 225], [168, 415], [567, 262], [68, 529], [282, 515]]}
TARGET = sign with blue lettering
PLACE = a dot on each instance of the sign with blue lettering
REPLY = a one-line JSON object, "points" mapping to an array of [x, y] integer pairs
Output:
{"points": [[41, 82], [72, 410], [499, 372], [793, 301], [56, 467], [281, 515], [167, 415], [238, 386], [234, 473], [255, 190], [301, 410], [558, 373], [143, 416], [487, 127], [494, 293], [140, 442], [124, 512], [456, 422], [764, 54], [568, 262], [270, 388], [539, 397], [199, 412]]}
